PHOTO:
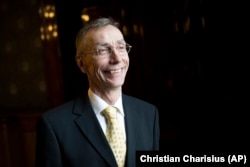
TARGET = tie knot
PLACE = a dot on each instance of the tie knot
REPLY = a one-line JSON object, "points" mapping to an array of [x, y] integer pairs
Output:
{"points": [[110, 112]]}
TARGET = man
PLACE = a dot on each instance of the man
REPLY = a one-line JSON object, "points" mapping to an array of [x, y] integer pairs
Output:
{"points": [[73, 134]]}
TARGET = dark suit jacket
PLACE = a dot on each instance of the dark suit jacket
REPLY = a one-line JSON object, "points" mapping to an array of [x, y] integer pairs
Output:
{"points": [[71, 136]]}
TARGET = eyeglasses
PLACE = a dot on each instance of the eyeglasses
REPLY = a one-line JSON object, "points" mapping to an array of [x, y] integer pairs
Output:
{"points": [[107, 50]]}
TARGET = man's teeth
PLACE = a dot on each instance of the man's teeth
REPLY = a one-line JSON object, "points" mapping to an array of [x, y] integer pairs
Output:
{"points": [[115, 71]]}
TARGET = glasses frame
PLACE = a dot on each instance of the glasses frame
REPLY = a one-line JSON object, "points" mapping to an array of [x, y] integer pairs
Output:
{"points": [[96, 51]]}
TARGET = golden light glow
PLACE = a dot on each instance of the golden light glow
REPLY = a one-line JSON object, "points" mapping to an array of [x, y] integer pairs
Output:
{"points": [[85, 17], [55, 34], [49, 29], [125, 30], [52, 14]]}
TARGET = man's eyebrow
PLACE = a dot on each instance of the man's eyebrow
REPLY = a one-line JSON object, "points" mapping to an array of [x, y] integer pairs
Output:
{"points": [[122, 41], [102, 44]]}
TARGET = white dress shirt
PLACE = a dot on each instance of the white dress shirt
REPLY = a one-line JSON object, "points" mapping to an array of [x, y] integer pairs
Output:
{"points": [[99, 105]]}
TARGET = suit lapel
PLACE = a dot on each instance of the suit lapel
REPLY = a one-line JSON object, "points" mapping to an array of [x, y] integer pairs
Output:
{"points": [[91, 128]]}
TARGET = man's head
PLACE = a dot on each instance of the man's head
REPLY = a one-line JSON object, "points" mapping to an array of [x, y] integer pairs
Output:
{"points": [[102, 54]]}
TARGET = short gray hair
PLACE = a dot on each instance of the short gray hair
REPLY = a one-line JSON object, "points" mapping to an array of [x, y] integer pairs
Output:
{"points": [[97, 23]]}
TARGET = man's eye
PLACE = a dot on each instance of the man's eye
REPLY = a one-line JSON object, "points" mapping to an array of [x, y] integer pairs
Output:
{"points": [[103, 51], [121, 48]]}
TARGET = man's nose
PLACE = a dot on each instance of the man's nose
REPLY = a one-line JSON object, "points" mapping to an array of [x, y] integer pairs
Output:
{"points": [[115, 54]]}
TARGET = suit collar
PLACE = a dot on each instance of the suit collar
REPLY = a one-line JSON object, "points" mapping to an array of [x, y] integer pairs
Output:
{"points": [[99, 104], [91, 128]]}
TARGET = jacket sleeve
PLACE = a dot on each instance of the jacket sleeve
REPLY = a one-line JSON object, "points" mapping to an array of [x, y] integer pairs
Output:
{"points": [[47, 146]]}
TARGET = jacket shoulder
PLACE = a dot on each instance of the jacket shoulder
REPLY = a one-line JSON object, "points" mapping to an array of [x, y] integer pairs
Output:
{"points": [[134, 101]]}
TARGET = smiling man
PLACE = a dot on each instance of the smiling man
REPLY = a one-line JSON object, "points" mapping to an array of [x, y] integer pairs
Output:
{"points": [[75, 134]]}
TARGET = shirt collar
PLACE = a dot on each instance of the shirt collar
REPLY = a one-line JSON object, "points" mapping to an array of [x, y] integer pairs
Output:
{"points": [[99, 104]]}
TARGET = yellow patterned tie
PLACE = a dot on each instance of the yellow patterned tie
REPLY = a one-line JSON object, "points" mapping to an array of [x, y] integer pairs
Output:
{"points": [[115, 136]]}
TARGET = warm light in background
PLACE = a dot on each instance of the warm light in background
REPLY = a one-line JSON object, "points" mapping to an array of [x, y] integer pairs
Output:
{"points": [[85, 17], [48, 30]]}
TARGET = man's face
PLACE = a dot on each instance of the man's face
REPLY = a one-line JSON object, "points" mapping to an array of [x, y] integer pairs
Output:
{"points": [[107, 71]]}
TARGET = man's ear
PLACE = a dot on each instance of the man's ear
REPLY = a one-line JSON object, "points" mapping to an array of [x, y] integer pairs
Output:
{"points": [[80, 63]]}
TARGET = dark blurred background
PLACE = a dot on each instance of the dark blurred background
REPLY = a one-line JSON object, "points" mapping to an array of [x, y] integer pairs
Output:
{"points": [[189, 58]]}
